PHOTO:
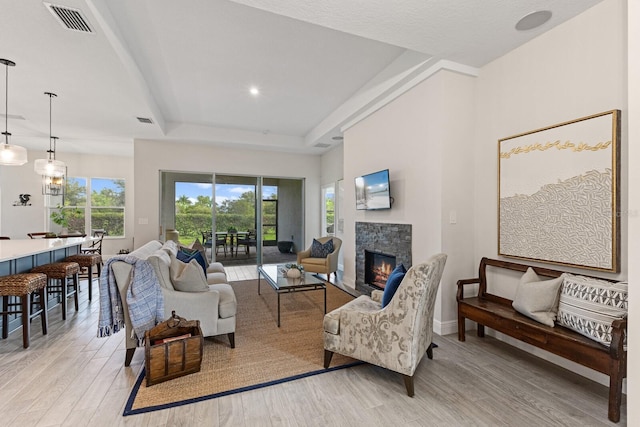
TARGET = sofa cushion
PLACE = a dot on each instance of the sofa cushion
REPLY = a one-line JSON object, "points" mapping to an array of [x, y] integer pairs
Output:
{"points": [[215, 267], [321, 250], [228, 305], [185, 255], [393, 282], [171, 247], [161, 261], [147, 249], [538, 299], [188, 277], [215, 278], [315, 261], [589, 306]]}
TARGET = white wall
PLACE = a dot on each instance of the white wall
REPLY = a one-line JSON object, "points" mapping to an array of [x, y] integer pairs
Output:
{"points": [[572, 71], [332, 165], [150, 157], [332, 171], [439, 141], [17, 221], [424, 138], [633, 382]]}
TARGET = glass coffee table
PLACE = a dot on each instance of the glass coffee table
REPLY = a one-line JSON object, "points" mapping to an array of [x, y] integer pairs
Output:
{"points": [[274, 276]]}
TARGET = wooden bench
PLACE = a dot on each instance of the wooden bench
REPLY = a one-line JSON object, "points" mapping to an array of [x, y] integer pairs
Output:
{"points": [[496, 312]]}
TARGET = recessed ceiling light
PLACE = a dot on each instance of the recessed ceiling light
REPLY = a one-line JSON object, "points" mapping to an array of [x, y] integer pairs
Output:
{"points": [[533, 20], [254, 91]]}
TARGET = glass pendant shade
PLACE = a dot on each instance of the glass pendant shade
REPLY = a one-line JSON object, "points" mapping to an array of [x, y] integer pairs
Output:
{"points": [[12, 155], [49, 167]]}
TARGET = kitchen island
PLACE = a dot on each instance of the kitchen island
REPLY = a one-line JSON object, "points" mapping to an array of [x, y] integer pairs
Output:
{"points": [[21, 255]]}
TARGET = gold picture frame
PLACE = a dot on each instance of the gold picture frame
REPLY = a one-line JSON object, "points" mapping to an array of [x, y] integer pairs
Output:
{"points": [[559, 193]]}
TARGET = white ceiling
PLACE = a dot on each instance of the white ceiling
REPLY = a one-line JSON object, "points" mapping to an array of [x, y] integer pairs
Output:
{"points": [[188, 65]]}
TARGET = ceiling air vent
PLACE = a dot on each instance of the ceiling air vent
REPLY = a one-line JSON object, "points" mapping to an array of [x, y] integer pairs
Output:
{"points": [[145, 120], [71, 19], [322, 145]]}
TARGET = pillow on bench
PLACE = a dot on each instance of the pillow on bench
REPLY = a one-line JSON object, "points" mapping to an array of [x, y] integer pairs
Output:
{"points": [[589, 306], [538, 299]]}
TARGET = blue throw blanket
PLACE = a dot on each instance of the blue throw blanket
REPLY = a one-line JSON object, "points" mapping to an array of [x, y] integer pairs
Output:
{"points": [[144, 299]]}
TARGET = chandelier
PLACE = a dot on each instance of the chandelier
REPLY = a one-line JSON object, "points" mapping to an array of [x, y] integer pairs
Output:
{"points": [[53, 171]]}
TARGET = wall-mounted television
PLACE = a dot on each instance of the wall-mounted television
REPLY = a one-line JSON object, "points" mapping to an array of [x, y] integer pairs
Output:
{"points": [[372, 191]]}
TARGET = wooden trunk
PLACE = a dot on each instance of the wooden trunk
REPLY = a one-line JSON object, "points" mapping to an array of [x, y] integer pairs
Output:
{"points": [[173, 349]]}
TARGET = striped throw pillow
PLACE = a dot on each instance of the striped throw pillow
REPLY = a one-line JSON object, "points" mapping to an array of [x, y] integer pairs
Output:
{"points": [[589, 306]]}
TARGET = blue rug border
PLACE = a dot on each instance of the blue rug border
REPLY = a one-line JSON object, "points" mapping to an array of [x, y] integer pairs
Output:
{"points": [[134, 392]]}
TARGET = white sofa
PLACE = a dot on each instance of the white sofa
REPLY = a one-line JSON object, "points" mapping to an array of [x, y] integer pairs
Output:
{"points": [[215, 309]]}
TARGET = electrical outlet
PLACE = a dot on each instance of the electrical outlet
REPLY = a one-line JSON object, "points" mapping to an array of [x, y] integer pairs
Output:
{"points": [[453, 217]]}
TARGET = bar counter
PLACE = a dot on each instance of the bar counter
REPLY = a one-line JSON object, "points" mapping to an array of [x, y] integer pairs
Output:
{"points": [[20, 256]]}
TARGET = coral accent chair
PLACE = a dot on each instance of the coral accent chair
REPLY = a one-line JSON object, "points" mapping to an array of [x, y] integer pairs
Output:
{"points": [[394, 337], [326, 265]]}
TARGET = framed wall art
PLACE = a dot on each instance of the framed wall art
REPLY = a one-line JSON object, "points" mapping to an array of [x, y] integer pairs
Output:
{"points": [[559, 194]]}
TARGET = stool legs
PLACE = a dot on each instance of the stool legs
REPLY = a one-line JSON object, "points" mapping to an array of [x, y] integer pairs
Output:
{"points": [[24, 287], [90, 278], [44, 319], [26, 309], [62, 288], [5, 317], [26, 319]]}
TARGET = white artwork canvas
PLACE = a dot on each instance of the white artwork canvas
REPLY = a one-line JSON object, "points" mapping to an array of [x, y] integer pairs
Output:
{"points": [[559, 193]]}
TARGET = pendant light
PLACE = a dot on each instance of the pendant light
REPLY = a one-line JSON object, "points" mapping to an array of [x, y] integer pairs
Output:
{"points": [[50, 167], [10, 155], [53, 183]]}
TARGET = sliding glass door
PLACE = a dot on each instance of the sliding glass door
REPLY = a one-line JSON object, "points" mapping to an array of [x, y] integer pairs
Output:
{"points": [[223, 212]]}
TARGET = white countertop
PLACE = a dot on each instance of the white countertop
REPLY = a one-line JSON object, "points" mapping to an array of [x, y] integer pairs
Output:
{"points": [[12, 249]]}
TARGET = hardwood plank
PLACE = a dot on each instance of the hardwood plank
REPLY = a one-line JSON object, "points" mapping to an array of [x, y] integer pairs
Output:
{"points": [[72, 378]]}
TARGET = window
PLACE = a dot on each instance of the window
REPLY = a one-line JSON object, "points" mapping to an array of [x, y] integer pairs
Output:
{"points": [[107, 206], [103, 210], [328, 209]]}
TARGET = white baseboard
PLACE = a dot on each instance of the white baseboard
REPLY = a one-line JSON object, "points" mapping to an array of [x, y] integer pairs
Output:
{"points": [[445, 328]]}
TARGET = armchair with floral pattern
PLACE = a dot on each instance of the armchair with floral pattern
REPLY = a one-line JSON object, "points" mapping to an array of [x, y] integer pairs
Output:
{"points": [[394, 337]]}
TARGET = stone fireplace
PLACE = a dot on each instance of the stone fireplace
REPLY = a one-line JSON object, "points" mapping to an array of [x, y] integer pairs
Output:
{"points": [[391, 240]]}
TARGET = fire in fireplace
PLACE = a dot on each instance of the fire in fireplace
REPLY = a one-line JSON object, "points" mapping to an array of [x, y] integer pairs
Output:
{"points": [[377, 268]]}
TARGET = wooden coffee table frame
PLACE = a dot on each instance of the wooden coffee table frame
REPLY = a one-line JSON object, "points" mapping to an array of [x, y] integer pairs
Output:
{"points": [[285, 285]]}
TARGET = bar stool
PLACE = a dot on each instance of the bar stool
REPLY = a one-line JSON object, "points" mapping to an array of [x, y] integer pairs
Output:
{"points": [[24, 286], [57, 274], [87, 261]]}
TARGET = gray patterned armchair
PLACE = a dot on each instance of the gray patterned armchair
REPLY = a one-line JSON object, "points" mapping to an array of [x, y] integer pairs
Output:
{"points": [[394, 337]]}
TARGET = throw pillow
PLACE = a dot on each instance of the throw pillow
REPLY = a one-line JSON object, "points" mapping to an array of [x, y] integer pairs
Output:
{"points": [[198, 246], [393, 282], [188, 277], [321, 250], [589, 306], [186, 255], [538, 299]]}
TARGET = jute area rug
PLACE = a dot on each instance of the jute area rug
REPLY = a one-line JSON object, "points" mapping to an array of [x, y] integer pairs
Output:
{"points": [[264, 354]]}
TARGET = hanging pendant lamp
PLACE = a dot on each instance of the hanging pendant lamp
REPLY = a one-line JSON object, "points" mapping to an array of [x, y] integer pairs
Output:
{"points": [[54, 182], [10, 155], [50, 167]]}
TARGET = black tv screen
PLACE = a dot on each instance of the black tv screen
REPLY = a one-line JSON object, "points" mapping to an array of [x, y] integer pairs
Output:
{"points": [[372, 191]]}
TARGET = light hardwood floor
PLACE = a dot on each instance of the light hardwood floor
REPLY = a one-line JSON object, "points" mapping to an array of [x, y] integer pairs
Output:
{"points": [[72, 378]]}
